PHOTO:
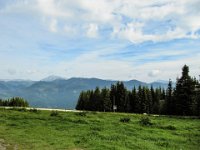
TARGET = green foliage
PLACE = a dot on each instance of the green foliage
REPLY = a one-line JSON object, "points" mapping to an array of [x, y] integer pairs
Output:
{"points": [[169, 105], [145, 120], [19, 109], [83, 114], [185, 93], [34, 110], [15, 101], [183, 100], [169, 127], [54, 113], [125, 119]]}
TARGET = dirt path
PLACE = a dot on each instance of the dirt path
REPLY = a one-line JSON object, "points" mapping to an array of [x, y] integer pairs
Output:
{"points": [[2, 145]]}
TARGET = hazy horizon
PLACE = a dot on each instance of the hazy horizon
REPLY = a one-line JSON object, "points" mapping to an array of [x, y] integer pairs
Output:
{"points": [[60, 77], [146, 40]]}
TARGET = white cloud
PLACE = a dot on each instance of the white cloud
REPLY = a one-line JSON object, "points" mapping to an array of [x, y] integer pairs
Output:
{"points": [[154, 73], [110, 69], [32, 71], [53, 25], [92, 30], [53, 8], [168, 69], [123, 17], [120, 20], [11, 71], [70, 31]]}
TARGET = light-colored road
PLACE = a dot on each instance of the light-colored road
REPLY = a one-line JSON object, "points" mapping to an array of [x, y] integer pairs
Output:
{"points": [[52, 109]]}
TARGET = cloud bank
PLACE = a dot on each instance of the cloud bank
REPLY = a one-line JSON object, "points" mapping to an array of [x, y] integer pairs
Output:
{"points": [[146, 39]]}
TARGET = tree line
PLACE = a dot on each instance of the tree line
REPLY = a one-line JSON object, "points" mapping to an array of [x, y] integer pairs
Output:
{"points": [[15, 101], [184, 99]]}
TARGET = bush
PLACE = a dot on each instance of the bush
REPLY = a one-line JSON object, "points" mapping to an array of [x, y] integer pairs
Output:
{"points": [[125, 119], [145, 120], [15, 101], [34, 110], [83, 114], [19, 109], [170, 127], [54, 113]]}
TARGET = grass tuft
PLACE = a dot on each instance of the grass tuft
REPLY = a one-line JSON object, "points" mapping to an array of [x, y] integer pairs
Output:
{"points": [[145, 120], [54, 113], [169, 127], [34, 110], [125, 120], [83, 114]]}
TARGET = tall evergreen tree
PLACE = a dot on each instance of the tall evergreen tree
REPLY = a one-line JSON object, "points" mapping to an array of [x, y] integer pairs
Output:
{"points": [[149, 101], [169, 99], [105, 95], [156, 100], [113, 93], [120, 96], [184, 93], [133, 99], [144, 104], [183, 100], [140, 100], [80, 103]]}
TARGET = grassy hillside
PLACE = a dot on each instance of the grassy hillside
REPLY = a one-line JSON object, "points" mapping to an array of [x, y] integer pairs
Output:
{"points": [[96, 131]]}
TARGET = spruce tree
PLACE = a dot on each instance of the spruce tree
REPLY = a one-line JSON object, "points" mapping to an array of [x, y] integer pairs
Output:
{"points": [[80, 103], [184, 93], [133, 99], [113, 93], [149, 101], [169, 99], [105, 95]]}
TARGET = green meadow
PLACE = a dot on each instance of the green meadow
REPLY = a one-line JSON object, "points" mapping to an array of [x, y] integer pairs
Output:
{"points": [[43, 130]]}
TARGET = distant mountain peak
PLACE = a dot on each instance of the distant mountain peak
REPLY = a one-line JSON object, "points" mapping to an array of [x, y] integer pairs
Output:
{"points": [[52, 78]]}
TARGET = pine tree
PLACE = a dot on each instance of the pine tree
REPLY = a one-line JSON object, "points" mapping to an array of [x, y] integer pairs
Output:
{"points": [[113, 93], [140, 100], [169, 99], [133, 99], [144, 107], [96, 100], [120, 97], [156, 100], [80, 103], [105, 95], [149, 101], [184, 93]]}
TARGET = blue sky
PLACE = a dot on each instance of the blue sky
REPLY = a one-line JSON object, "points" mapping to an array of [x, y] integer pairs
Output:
{"points": [[146, 40]]}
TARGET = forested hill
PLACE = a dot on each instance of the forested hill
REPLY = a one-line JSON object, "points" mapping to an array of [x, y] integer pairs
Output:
{"points": [[57, 92], [183, 99]]}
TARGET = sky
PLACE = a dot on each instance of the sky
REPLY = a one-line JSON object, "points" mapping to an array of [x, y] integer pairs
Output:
{"points": [[147, 40]]}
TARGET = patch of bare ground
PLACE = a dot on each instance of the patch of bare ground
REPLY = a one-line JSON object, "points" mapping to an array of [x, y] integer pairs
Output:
{"points": [[2, 145]]}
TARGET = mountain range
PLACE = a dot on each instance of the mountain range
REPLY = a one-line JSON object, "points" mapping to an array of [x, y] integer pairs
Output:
{"points": [[58, 92]]}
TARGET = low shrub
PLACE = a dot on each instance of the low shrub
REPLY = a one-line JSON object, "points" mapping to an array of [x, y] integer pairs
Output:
{"points": [[19, 109], [54, 113], [125, 119], [169, 127], [83, 114], [145, 120], [79, 121], [34, 110]]}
